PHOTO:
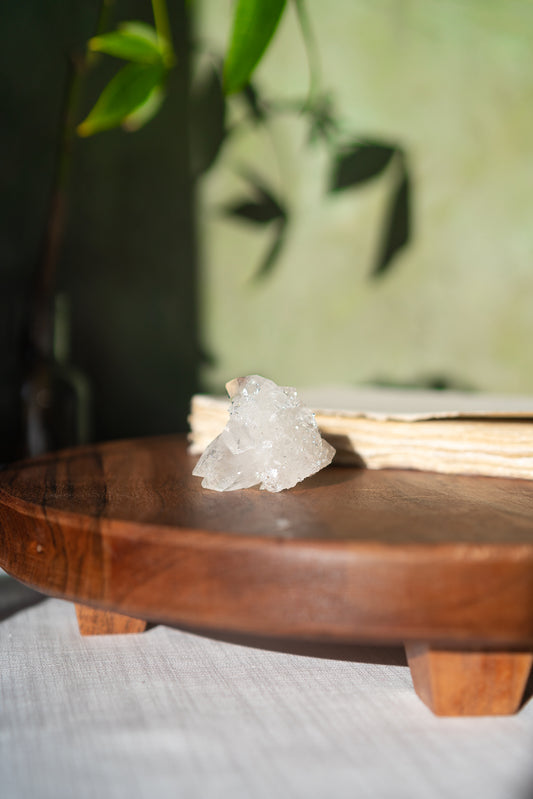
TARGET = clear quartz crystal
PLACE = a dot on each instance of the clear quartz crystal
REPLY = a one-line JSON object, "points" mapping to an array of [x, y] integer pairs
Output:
{"points": [[271, 440]]}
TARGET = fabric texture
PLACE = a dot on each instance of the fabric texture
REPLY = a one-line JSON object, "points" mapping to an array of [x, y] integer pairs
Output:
{"points": [[174, 714]]}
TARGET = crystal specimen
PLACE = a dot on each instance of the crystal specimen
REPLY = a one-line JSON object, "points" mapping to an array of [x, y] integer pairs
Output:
{"points": [[271, 439]]}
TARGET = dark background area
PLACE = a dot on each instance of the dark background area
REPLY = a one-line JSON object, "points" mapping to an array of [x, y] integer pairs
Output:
{"points": [[128, 260]]}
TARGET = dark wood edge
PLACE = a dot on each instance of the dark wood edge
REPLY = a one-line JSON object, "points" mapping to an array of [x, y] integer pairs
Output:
{"points": [[236, 553], [472, 552], [482, 594]]}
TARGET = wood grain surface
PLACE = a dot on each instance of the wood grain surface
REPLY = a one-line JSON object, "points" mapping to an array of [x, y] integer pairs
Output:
{"points": [[348, 555], [456, 683], [92, 621]]}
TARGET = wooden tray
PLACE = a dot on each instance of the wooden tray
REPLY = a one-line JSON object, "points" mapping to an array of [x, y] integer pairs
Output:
{"points": [[443, 564]]}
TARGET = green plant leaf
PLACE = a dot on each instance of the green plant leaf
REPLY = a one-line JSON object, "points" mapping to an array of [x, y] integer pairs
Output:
{"points": [[142, 30], [397, 226], [123, 95], [264, 208], [272, 254], [258, 213], [133, 41], [145, 112], [261, 211], [254, 103], [254, 24], [360, 163]]}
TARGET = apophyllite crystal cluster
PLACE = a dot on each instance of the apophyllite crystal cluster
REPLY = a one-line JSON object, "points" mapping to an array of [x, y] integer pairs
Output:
{"points": [[271, 440]]}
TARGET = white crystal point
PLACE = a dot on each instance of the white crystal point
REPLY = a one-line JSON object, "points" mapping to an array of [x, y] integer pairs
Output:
{"points": [[271, 440]]}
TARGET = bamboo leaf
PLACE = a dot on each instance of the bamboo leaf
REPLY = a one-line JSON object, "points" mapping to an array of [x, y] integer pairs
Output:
{"points": [[272, 254], [133, 41], [142, 30], [254, 24], [260, 212], [126, 93], [254, 102], [145, 112], [397, 226], [263, 208], [360, 163]]}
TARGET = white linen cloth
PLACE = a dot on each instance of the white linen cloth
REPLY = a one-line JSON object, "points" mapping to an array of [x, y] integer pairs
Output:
{"points": [[173, 714]]}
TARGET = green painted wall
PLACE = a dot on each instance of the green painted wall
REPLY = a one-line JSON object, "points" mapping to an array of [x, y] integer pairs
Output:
{"points": [[449, 81], [452, 82]]}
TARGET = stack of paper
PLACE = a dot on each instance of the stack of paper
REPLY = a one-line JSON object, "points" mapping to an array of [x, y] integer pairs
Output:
{"points": [[441, 431]]}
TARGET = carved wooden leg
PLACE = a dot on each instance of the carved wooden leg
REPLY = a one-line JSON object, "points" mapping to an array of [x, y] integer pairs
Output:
{"points": [[102, 622], [462, 683]]}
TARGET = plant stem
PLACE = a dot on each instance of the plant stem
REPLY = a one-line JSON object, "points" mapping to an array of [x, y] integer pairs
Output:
{"points": [[311, 49], [41, 332], [162, 26], [40, 322]]}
